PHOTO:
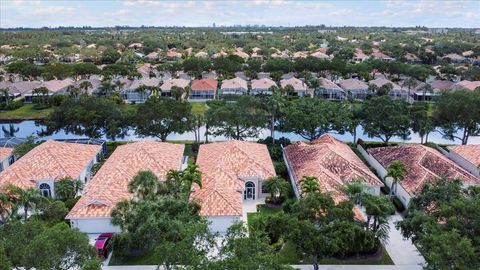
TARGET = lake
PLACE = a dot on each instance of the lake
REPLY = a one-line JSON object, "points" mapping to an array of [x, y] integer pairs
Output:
{"points": [[28, 127]]}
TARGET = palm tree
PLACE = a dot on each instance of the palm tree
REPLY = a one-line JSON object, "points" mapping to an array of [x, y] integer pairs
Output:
{"points": [[174, 183], [427, 88], [73, 91], [156, 91], [274, 105], [85, 85], [177, 92], [6, 95], [28, 198], [106, 88], [67, 188], [42, 92], [309, 185], [410, 83], [144, 184], [7, 203], [118, 86], [397, 171], [354, 190], [191, 175], [277, 186], [142, 90], [378, 208]]}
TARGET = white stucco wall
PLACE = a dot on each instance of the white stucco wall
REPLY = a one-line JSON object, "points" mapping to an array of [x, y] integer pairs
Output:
{"points": [[94, 225], [462, 162], [4, 163], [381, 171], [220, 224]]}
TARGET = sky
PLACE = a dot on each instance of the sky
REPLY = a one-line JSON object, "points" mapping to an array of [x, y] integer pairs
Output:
{"points": [[98, 13]]}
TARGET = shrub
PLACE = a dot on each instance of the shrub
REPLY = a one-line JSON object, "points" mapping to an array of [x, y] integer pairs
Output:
{"points": [[70, 203], [56, 100], [13, 105], [281, 169]]}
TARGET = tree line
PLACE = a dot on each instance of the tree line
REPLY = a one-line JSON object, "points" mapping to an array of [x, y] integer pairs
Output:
{"points": [[456, 115]]}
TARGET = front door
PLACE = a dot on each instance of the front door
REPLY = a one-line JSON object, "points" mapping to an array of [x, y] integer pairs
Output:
{"points": [[249, 193]]}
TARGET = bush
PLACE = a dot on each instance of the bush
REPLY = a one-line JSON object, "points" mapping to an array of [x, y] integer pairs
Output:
{"points": [[54, 211], [398, 204], [56, 100], [281, 169], [13, 105], [70, 203]]}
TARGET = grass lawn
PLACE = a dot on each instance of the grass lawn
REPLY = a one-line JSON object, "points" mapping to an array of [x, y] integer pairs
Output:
{"points": [[147, 258], [27, 111], [199, 107], [263, 211]]}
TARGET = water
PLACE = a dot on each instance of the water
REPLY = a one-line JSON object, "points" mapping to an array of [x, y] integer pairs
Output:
{"points": [[29, 127]]}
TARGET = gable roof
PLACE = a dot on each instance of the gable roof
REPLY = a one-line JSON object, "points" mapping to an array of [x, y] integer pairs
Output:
{"points": [[5, 152], [234, 83], [297, 84], [152, 82], [168, 84], [204, 84], [327, 84], [332, 162], [470, 152], [263, 83], [382, 81], [110, 184], [353, 84], [50, 160], [223, 165], [423, 164], [466, 85], [442, 84]]}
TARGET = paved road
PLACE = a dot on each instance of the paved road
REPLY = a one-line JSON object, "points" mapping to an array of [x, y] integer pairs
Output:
{"points": [[402, 251]]}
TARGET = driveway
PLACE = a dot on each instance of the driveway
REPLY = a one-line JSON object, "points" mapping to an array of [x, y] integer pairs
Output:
{"points": [[401, 250]]}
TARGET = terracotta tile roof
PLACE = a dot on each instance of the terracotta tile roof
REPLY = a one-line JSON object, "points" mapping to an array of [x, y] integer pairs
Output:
{"points": [[223, 165], [55, 86], [332, 162], [327, 84], [201, 54], [382, 81], [204, 84], [469, 152], [264, 83], [359, 54], [380, 55], [110, 184], [320, 55], [49, 160], [21, 87], [240, 53], [152, 82], [297, 84], [423, 164], [468, 85], [234, 83], [5, 152], [168, 84], [442, 84], [353, 84], [410, 56]]}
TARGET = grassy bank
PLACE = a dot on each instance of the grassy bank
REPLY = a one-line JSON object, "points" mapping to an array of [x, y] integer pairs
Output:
{"points": [[26, 112]]}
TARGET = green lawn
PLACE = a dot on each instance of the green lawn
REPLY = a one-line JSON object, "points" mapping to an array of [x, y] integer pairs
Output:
{"points": [[27, 111], [199, 107], [148, 258]]}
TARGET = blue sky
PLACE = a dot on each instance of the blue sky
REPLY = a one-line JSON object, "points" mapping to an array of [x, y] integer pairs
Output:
{"points": [[16, 13]]}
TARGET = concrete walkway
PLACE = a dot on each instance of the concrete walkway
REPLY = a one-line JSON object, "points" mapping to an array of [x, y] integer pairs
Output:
{"points": [[401, 250], [250, 206]]}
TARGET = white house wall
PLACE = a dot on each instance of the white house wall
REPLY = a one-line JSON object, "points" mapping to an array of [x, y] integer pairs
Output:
{"points": [[221, 224], [461, 161], [94, 225]]}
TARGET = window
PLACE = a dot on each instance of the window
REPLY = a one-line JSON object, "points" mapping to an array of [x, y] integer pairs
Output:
{"points": [[249, 192], [11, 160], [45, 190], [264, 188]]}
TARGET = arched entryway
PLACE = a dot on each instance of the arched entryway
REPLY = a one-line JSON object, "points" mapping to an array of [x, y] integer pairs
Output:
{"points": [[45, 190], [249, 192]]}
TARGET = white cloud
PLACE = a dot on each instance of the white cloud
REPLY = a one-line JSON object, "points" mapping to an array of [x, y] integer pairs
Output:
{"points": [[56, 10]]}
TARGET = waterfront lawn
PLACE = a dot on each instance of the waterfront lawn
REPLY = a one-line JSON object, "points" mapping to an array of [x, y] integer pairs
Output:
{"points": [[199, 107], [27, 111]]}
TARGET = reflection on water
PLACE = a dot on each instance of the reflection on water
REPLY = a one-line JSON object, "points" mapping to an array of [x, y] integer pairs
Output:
{"points": [[29, 127]]}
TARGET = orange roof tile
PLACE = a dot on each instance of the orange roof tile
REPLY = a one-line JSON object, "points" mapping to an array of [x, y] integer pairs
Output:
{"points": [[49, 160], [110, 184], [223, 165], [5, 152], [332, 162], [469, 152], [204, 84], [423, 164]]}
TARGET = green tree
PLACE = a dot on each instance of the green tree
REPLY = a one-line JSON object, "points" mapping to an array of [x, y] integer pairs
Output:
{"points": [[458, 111], [67, 188], [310, 117], [144, 185], [29, 199], [278, 187], [109, 56], [41, 93], [378, 208], [385, 118], [309, 185], [354, 190], [273, 105], [23, 148], [422, 122], [397, 172], [159, 117]]}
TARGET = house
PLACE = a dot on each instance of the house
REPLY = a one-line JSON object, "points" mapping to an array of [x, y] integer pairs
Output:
{"points": [[49, 162], [300, 54], [133, 94], [454, 57], [320, 55], [19, 89], [355, 88], [467, 156], [204, 89], [262, 86], [378, 55], [91, 214], [466, 85], [166, 87], [6, 157], [329, 90], [201, 54], [333, 163], [359, 55], [235, 86], [299, 87], [95, 82], [173, 55], [411, 58], [441, 85], [135, 46], [146, 70], [240, 53], [233, 174], [423, 164], [395, 92], [53, 86], [221, 53]]}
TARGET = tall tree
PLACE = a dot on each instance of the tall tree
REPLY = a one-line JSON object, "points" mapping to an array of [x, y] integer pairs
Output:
{"points": [[273, 105], [397, 171], [309, 185], [422, 122], [160, 117], [311, 117], [385, 118]]}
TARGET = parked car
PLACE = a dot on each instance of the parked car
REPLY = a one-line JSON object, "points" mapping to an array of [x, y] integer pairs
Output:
{"points": [[102, 246]]}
